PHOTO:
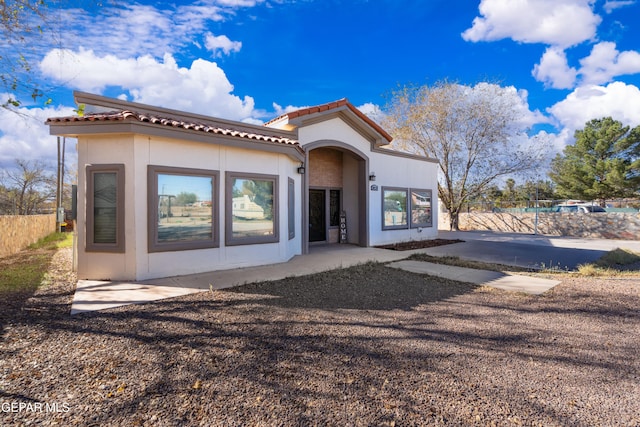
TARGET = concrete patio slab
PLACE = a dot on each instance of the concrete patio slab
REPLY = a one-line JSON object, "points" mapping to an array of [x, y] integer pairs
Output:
{"points": [[93, 295]]}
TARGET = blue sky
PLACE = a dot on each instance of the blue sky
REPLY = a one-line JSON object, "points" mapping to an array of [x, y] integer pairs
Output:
{"points": [[567, 61]]}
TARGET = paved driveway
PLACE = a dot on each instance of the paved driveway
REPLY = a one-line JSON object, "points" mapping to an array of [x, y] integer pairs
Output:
{"points": [[526, 250]]}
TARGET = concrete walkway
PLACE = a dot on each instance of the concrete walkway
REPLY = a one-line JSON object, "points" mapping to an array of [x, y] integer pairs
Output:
{"points": [[99, 295], [495, 279]]}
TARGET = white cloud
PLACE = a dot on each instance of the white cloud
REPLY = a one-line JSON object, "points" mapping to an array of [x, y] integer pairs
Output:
{"points": [[605, 62], [554, 22], [125, 31], [25, 136], [220, 45], [280, 110], [611, 5], [554, 71], [203, 88], [617, 100], [130, 30], [372, 111], [238, 3], [512, 98]]}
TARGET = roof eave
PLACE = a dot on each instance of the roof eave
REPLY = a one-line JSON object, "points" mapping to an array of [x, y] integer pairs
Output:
{"points": [[118, 104], [74, 129]]}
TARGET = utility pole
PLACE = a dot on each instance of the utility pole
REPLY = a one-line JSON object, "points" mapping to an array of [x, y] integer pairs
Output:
{"points": [[58, 190], [535, 228], [60, 185]]}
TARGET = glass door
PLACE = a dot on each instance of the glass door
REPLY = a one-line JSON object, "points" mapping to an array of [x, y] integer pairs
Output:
{"points": [[317, 216]]}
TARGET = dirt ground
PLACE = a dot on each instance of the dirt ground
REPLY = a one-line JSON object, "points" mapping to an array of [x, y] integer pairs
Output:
{"points": [[363, 346]]}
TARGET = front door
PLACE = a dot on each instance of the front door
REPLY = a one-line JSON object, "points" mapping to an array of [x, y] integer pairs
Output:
{"points": [[317, 216]]}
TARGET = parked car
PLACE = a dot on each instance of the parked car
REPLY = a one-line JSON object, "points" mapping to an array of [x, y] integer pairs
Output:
{"points": [[591, 209], [580, 208]]}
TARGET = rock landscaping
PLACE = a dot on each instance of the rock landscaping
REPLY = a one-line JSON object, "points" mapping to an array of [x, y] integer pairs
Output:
{"points": [[362, 346]]}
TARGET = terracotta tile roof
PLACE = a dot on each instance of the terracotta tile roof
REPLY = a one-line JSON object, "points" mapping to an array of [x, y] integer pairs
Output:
{"points": [[344, 102], [175, 123]]}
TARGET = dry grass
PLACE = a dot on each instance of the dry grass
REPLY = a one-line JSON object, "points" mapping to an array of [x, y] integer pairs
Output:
{"points": [[22, 273], [459, 262], [616, 263]]}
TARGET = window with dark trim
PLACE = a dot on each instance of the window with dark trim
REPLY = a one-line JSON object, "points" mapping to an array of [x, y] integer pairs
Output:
{"points": [[394, 208], [105, 208], [251, 206], [182, 208], [291, 208], [421, 208]]}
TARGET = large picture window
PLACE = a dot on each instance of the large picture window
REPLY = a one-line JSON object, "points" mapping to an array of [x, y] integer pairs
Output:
{"points": [[105, 208], [421, 212], [182, 205], [394, 208], [251, 209]]}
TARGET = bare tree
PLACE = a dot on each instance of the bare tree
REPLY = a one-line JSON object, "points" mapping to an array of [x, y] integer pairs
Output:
{"points": [[27, 29], [27, 187], [22, 22], [475, 133]]}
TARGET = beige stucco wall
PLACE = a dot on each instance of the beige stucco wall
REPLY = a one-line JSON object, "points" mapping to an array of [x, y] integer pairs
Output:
{"points": [[136, 152]]}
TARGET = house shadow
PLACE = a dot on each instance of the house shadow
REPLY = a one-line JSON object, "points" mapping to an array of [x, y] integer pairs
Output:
{"points": [[370, 286]]}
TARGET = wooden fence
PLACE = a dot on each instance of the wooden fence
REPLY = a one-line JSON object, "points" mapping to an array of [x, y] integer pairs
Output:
{"points": [[19, 231]]}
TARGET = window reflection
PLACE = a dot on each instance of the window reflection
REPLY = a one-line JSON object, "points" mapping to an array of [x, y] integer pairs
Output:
{"points": [[184, 208], [252, 208], [395, 208], [421, 212]]}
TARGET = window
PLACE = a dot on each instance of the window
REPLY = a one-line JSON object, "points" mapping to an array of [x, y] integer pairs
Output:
{"points": [[421, 208], [251, 209], [334, 208], [105, 208], [292, 208], [394, 208], [182, 206]]}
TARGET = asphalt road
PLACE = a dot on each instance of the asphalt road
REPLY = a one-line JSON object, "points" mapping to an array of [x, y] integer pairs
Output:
{"points": [[527, 250]]}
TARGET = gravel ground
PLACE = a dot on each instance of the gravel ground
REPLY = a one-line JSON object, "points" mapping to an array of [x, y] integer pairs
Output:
{"points": [[364, 346]]}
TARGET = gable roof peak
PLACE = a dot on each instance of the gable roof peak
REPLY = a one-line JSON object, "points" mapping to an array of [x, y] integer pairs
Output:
{"points": [[341, 104]]}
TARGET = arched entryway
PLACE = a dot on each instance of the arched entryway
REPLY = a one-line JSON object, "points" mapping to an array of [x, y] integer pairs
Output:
{"points": [[335, 185]]}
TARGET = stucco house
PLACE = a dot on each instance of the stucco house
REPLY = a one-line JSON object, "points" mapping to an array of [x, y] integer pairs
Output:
{"points": [[164, 192]]}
